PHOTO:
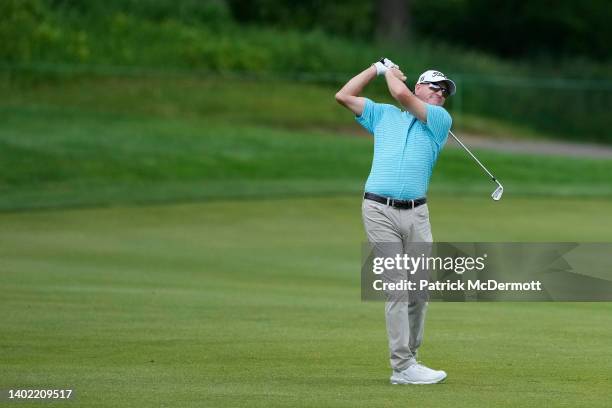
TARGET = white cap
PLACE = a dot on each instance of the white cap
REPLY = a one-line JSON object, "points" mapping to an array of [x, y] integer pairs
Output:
{"points": [[437, 76]]}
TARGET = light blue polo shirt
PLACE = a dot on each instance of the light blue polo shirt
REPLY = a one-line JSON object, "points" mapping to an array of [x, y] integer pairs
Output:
{"points": [[405, 149]]}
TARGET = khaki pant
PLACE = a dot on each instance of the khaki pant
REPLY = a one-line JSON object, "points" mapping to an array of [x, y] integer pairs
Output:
{"points": [[398, 229]]}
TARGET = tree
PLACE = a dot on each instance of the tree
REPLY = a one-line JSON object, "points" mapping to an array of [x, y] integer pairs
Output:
{"points": [[393, 20]]}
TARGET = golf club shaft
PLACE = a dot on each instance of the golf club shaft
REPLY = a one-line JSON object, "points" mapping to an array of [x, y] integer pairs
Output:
{"points": [[473, 157]]}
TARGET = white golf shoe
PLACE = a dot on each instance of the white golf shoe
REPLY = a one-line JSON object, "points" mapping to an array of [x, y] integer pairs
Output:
{"points": [[418, 374]]}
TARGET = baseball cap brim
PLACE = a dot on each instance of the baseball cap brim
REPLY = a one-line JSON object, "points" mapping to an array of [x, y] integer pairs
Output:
{"points": [[451, 86]]}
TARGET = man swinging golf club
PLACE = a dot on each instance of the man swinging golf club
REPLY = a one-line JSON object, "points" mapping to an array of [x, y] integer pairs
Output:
{"points": [[406, 147]]}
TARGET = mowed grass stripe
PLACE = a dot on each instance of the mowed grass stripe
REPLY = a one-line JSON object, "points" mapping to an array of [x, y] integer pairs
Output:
{"points": [[62, 159]]}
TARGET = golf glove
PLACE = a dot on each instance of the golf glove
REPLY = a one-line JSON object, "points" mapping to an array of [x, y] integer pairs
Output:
{"points": [[383, 65]]}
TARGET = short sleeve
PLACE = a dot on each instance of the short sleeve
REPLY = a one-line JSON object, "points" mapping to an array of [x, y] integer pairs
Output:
{"points": [[439, 123], [371, 115]]}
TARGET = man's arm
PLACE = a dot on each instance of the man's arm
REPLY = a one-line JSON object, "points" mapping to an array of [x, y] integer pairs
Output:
{"points": [[400, 92], [349, 97]]}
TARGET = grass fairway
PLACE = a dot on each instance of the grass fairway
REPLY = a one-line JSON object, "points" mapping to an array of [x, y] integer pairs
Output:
{"points": [[256, 304], [78, 156]]}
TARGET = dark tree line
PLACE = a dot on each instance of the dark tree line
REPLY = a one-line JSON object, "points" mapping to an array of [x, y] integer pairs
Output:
{"points": [[520, 28], [510, 28]]}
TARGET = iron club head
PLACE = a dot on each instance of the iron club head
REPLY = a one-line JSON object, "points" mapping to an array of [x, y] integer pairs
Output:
{"points": [[497, 194]]}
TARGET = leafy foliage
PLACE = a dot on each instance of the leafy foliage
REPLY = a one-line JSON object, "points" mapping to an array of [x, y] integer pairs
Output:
{"points": [[55, 37], [524, 28]]}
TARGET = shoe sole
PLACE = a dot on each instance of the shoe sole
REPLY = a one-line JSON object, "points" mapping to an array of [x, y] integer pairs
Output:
{"points": [[395, 382]]}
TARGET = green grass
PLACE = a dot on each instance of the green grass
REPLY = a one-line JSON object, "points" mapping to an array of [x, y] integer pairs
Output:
{"points": [[151, 140], [288, 104], [40, 45], [251, 297], [257, 304]]}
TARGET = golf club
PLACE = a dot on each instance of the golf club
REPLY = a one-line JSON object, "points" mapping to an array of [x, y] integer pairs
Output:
{"points": [[497, 194]]}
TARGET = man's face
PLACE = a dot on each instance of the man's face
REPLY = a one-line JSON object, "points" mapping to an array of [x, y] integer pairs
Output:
{"points": [[428, 94]]}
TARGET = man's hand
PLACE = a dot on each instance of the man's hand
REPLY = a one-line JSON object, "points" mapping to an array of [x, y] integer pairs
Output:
{"points": [[398, 74], [383, 65], [349, 97]]}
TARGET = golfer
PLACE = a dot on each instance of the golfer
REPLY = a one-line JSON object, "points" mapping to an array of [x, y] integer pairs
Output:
{"points": [[406, 146]]}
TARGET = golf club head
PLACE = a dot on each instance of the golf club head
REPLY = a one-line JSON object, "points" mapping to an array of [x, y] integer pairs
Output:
{"points": [[497, 194]]}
